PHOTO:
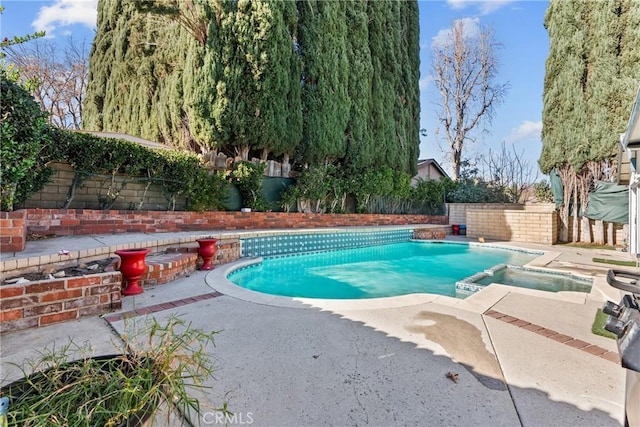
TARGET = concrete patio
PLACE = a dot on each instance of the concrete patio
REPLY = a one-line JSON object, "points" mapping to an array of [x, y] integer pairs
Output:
{"points": [[518, 357]]}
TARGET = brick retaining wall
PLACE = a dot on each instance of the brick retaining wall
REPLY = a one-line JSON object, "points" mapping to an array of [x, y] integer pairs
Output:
{"points": [[68, 222]]}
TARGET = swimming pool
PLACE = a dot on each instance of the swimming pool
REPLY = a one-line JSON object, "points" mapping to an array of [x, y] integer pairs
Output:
{"points": [[375, 271]]}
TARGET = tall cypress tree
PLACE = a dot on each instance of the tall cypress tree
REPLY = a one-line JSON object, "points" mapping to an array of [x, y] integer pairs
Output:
{"points": [[359, 143], [274, 109], [410, 77], [325, 79], [605, 111], [332, 81], [564, 111], [384, 42], [629, 52]]}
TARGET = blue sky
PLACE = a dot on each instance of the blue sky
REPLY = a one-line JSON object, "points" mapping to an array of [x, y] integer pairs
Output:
{"points": [[518, 26]]}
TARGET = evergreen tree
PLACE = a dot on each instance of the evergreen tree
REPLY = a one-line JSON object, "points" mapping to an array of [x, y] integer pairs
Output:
{"points": [[592, 73], [410, 86], [383, 42], [605, 112], [332, 82], [564, 111], [325, 79], [359, 144], [629, 53]]}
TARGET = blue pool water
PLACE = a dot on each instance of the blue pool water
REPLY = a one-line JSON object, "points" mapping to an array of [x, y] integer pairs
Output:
{"points": [[375, 271], [538, 280]]}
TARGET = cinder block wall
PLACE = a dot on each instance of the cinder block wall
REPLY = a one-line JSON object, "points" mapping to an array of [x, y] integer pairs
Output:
{"points": [[528, 225], [134, 193], [458, 211]]}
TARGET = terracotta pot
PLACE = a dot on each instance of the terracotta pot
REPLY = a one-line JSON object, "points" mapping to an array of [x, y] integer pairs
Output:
{"points": [[132, 267], [207, 251]]}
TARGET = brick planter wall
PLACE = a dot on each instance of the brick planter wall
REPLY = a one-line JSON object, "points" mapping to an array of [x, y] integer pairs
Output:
{"points": [[43, 302], [13, 231], [61, 222], [430, 233], [69, 222], [167, 267]]}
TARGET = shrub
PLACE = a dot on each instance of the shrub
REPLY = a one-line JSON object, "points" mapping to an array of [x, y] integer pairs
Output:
{"points": [[248, 178], [22, 131]]}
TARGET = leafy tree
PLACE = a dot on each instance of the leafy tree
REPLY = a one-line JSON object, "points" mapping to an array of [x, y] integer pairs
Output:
{"points": [[16, 40], [22, 133], [542, 191], [248, 178]]}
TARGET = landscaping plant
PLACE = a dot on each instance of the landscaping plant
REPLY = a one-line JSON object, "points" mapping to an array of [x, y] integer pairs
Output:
{"points": [[115, 391]]}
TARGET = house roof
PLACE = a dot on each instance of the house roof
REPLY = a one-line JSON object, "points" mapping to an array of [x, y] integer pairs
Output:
{"points": [[427, 162], [130, 138]]}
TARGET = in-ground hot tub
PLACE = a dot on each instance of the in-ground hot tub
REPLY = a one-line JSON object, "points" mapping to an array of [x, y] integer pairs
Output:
{"points": [[523, 277]]}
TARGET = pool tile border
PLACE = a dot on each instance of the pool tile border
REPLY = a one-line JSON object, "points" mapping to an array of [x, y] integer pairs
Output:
{"points": [[141, 311], [576, 343]]}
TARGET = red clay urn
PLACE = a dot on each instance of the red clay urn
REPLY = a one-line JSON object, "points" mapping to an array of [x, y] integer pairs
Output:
{"points": [[207, 251], [132, 267]]}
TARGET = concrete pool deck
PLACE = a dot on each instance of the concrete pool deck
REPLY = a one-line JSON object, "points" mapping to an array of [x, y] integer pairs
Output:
{"points": [[519, 357]]}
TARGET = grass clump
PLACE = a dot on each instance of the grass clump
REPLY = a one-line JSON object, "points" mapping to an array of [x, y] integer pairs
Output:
{"points": [[616, 262], [119, 390], [588, 246], [598, 325]]}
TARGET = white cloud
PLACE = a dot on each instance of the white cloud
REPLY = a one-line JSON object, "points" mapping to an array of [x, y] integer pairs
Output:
{"points": [[425, 82], [63, 13], [526, 130], [485, 6], [470, 26]]}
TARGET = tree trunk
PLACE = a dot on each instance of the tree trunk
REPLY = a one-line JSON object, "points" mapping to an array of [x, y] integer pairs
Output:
{"points": [[568, 179], [598, 232], [576, 223], [585, 230], [611, 241]]}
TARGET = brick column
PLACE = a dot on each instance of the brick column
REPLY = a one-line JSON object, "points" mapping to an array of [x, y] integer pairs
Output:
{"points": [[13, 226]]}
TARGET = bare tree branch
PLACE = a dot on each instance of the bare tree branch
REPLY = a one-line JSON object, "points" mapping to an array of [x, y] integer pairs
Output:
{"points": [[61, 78], [464, 71]]}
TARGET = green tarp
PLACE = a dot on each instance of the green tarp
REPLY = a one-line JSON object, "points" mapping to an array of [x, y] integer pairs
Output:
{"points": [[609, 202], [556, 188]]}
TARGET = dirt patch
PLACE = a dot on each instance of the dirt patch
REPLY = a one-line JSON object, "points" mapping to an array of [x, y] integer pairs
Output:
{"points": [[93, 267]]}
